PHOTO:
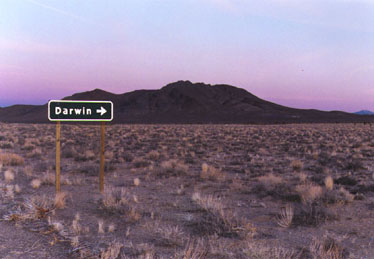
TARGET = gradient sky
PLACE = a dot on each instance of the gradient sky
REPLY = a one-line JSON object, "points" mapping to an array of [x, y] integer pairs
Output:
{"points": [[305, 54]]}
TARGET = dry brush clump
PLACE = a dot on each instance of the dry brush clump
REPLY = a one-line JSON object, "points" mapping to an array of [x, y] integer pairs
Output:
{"points": [[140, 162], [296, 165], [194, 249], [34, 208], [253, 249], [219, 220], [286, 216], [35, 183], [10, 159], [173, 167], [119, 201], [327, 248], [60, 200], [115, 199], [8, 176], [309, 192], [275, 186], [112, 251], [170, 236], [329, 183], [39, 207], [211, 173]]}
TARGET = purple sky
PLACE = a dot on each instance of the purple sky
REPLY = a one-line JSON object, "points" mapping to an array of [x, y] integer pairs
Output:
{"points": [[306, 54]]}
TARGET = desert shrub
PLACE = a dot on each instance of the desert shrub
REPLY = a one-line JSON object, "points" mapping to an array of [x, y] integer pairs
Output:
{"points": [[35, 153], [60, 200], [275, 187], [9, 159], [34, 208], [312, 214], [327, 248], [170, 236], [35, 183], [211, 173], [115, 200], [354, 164], [153, 155], [259, 250], [297, 165], [112, 251], [140, 162], [340, 196], [285, 218], [309, 192], [90, 155], [8, 176], [128, 157], [172, 167], [68, 151], [6, 145], [217, 220], [194, 249], [270, 180], [346, 180], [329, 183]]}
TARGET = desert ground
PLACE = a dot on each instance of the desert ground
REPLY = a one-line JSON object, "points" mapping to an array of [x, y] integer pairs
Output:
{"points": [[188, 191]]}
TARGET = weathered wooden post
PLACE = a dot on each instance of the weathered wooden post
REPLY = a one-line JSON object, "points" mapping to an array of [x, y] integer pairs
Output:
{"points": [[102, 156], [64, 110], [58, 156]]}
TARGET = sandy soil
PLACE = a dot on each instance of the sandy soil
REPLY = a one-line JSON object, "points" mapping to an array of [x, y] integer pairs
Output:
{"points": [[188, 191]]}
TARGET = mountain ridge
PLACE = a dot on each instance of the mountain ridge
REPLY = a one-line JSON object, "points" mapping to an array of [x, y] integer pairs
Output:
{"points": [[187, 102], [364, 112]]}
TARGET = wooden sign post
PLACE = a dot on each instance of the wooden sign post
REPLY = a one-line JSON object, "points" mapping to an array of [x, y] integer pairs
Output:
{"points": [[63, 110], [102, 152], [58, 155]]}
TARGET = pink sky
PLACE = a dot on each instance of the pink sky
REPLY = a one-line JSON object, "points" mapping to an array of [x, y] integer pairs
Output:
{"points": [[316, 55]]}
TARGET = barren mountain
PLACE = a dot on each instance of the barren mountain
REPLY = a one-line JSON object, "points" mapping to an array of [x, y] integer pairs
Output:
{"points": [[185, 102]]}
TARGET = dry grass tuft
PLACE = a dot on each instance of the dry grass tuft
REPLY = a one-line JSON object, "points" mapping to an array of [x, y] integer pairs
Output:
{"points": [[347, 196], [270, 179], [222, 221], [303, 177], [28, 171], [140, 162], [171, 235], [286, 216], [136, 181], [329, 183], [194, 249], [153, 155], [211, 173], [76, 226], [174, 167], [9, 191], [111, 228], [48, 178], [60, 200], [112, 252], [115, 199], [8, 176], [17, 189], [35, 183], [10, 159], [39, 207], [100, 227], [328, 248], [297, 165], [309, 192], [259, 250]]}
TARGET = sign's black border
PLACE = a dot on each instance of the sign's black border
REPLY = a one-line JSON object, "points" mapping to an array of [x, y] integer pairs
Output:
{"points": [[78, 101]]}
